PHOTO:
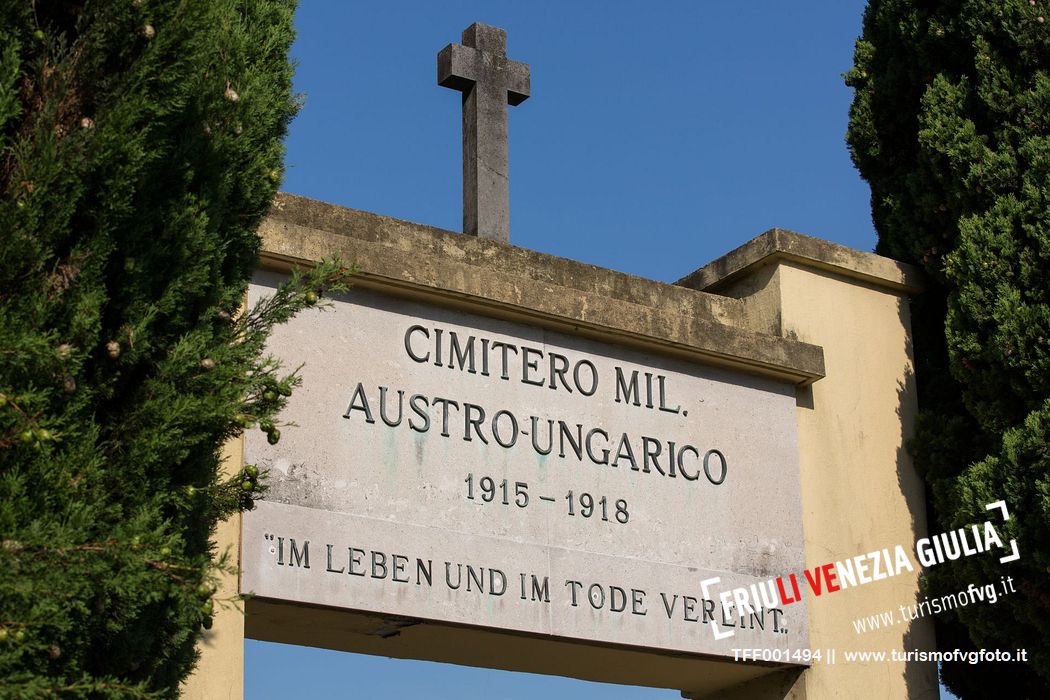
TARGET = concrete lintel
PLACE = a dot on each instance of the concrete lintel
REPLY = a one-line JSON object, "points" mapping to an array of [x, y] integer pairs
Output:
{"points": [[506, 281], [288, 622], [779, 244]]}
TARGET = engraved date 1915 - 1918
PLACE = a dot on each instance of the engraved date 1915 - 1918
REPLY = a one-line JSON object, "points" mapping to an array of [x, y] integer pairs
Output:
{"points": [[584, 505]]}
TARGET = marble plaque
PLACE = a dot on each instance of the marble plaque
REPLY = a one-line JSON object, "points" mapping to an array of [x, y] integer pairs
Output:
{"points": [[450, 467]]}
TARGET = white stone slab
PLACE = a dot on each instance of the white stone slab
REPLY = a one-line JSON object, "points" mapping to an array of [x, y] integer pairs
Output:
{"points": [[341, 479], [378, 566]]}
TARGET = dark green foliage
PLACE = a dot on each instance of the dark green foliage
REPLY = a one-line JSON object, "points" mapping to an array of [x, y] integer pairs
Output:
{"points": [[950, 125], [140, 145]]}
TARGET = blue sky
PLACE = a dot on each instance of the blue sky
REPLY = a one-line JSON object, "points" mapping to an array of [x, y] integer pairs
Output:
{"points": [[658, 136], [655, 139]]}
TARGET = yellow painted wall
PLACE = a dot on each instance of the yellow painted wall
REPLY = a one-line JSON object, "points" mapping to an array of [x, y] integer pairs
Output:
{"points": [[860, 491], [220, 672]]}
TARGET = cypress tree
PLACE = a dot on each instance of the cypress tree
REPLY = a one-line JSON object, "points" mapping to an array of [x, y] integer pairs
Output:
{"points": [[950, 125], [140, 146]]}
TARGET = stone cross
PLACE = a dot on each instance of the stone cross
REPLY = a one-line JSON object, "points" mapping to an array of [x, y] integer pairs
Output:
{"points": [[479, 68]]}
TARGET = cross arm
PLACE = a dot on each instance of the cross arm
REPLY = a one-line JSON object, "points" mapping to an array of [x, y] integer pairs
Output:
{"points": [[459, 67]]}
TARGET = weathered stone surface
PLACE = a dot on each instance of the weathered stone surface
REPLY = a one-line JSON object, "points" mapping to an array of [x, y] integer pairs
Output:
{"points": [[407, 475], [510, 282], [489, 81], [779, 244]]}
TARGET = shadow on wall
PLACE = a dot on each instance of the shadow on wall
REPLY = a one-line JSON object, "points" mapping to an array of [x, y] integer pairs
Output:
{"points": [[916, 676]]}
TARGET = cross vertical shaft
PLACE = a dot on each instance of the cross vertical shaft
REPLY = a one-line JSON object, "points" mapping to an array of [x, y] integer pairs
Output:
{"points": [[479, 68]]}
